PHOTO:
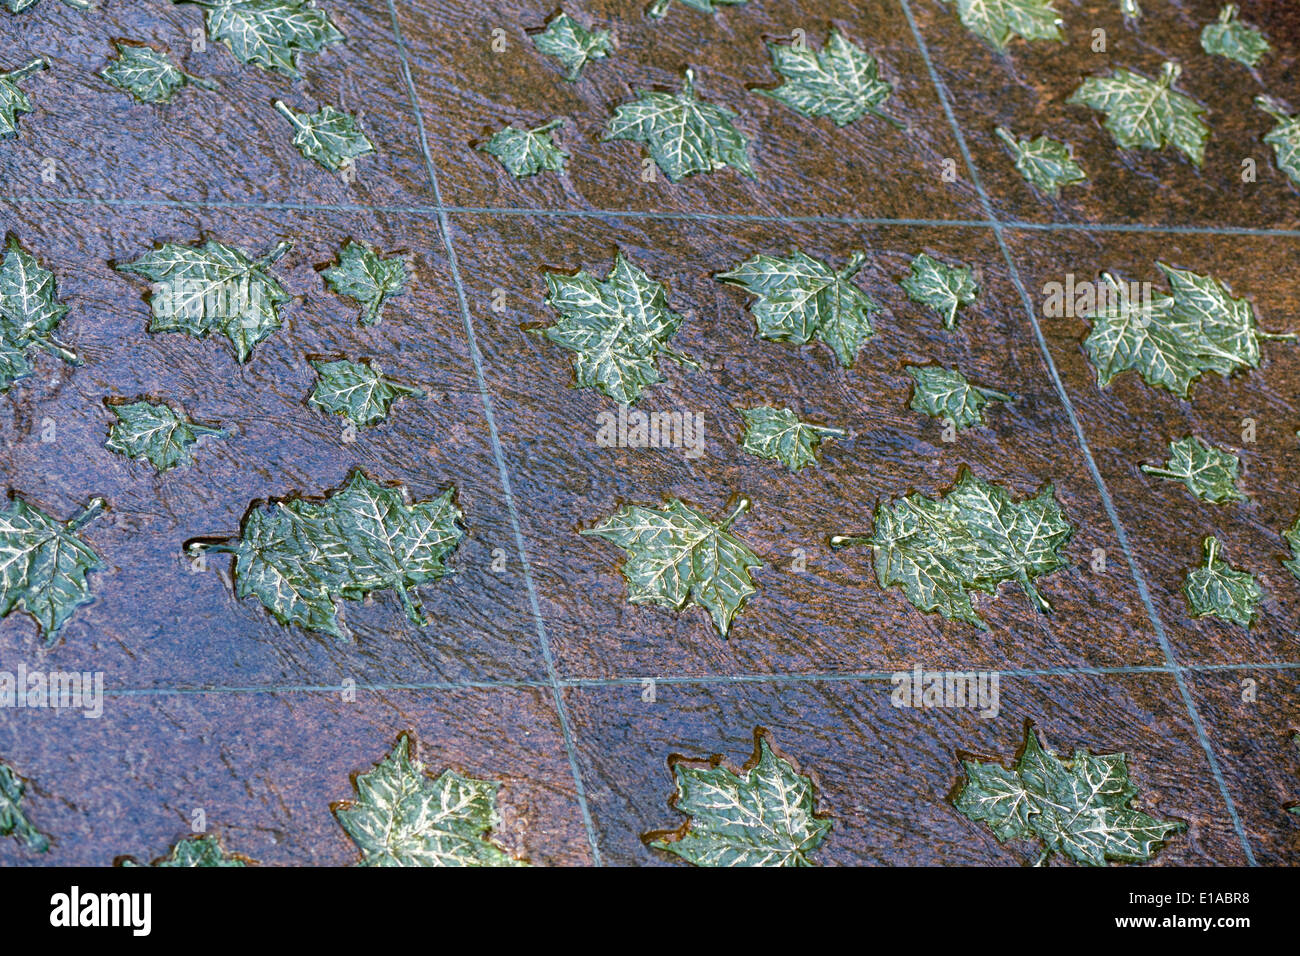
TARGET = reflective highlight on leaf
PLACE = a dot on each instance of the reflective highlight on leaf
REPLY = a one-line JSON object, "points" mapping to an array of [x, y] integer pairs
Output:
{"points": [[1079, 807], [269, 33], [329, 136], [1173, 339], [153, 432], [684, 134], [1147, 114], [677, 557], [658, 8], [1000, 21], [942, 287], [213, 287], [779, 434], [146, 74], [1043, 162], [1216, 589], [764, 816], [801, 299], [300, 555], [938, 550], [13, 101], [44, 565], [572, 44], [947, 395], [30, 311], [13, 820], [1231, 38], [840, 81], [367, 278], [356, 391], [618, 328], [526, 152], [203, 851], [1284, 137], [404, 817], [1208, 472]]}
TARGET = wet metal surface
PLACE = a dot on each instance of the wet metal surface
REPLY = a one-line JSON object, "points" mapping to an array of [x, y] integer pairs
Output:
{"points": [[536, 674]]}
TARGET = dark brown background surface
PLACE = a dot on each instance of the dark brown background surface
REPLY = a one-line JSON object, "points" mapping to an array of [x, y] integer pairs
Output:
{"points": [[534, 676]]}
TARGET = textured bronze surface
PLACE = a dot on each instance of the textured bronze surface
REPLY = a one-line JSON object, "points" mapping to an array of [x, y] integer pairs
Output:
{"points": [[214, 706]]}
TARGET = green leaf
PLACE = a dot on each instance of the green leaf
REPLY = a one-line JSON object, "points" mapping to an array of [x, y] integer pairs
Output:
{"points": [[213, 287], [778, 433], [1043, 162], [684, 134], [1208, 472], [618, 327], [367, 278], [764, 816], [841, 81], [13, 821], [194, 851], [299, 555], [526, 152], [1284, 137], [1292, 536], [269, 33], [404, 817], [329, 136], [998, 21], [973, 538], [1231, 38], [30, 311], [43, 565], [677, 557], [801, 299], [946, 394], [13, 100], [18, 6], [658, 8], [1147, 114], [149, 431], [943, 288], [572, 44], [1171, 340], [356, 391], [1079, 807], [148, 75], [1216, 589]]}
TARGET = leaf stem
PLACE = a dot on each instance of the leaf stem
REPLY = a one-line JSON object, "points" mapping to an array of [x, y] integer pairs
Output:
{"points": [[34, 65], [1276, 336], [994, 394], [880, 114], [547, 127], [81, 4], [1211, 550], [825, 430], [657, 9], [280, 249], [202, 82], [677, 357], [1039, 601], [93, 508], [58, 348], [742, 506], [1162, 472], [1006, 137], [224, 546], [283, 109], [848, 540], [1273, 108], [854, 265]]}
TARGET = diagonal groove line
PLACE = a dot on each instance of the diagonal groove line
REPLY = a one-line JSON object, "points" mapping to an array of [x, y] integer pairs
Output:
{"points": [[1138, 578], [529, 212], [687, 680], [543, 640]]}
